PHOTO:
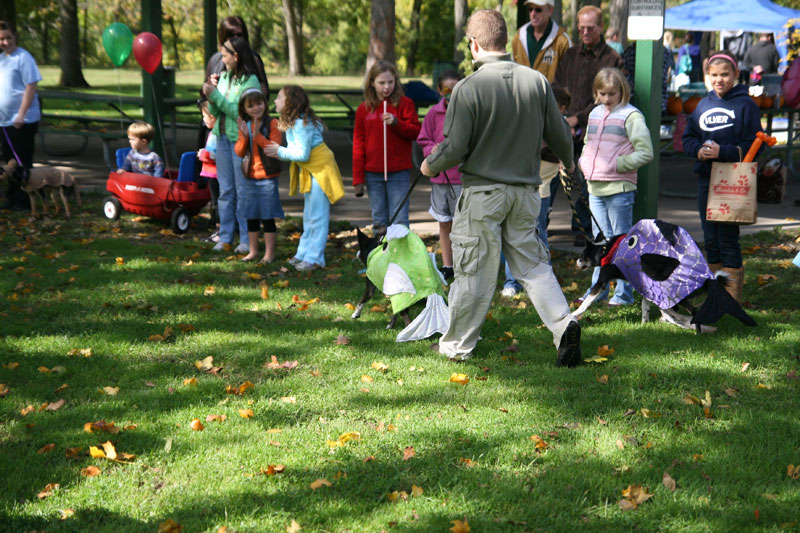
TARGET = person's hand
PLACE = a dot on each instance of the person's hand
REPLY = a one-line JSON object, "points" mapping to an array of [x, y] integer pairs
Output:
{"points": [[572, 121], [389, 119], [271, 150], [426, 170], [242, 124], [208, 88], [19, 122], [435, 149], [120, 171], [708, 151], [214, 79], [359, 190]]}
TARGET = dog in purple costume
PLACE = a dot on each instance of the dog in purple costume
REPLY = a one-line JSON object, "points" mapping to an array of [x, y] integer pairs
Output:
{"points": [[665, 265]]}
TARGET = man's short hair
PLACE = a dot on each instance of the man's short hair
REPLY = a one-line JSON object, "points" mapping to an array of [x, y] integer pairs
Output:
{"points": [[488, 28], [141, 130], [592, 10]]}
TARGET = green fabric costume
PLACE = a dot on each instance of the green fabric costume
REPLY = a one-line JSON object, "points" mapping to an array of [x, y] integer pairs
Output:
{"points": [[409, 257]]}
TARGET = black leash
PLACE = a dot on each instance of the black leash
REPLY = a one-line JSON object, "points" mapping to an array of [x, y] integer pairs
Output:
{"points": [[569, 185], [411, 188]]}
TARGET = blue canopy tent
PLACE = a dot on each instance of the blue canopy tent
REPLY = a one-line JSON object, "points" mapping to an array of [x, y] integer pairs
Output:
{"points": [[717, 15]]}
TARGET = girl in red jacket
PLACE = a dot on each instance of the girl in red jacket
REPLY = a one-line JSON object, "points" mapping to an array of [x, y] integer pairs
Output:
{"points": [[388, 177]]}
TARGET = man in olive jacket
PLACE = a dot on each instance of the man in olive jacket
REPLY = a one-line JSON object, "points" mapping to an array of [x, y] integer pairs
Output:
{"points": [[494, 127]]}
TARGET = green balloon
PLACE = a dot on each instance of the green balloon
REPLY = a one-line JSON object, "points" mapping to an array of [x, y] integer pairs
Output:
{"points": [[118, 42]]}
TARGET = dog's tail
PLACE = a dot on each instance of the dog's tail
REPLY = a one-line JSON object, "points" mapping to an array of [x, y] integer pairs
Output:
{"points": [[718, 303]]}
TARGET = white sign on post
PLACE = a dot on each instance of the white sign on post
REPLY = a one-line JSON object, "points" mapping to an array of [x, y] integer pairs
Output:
{"points": [[646, 20]]}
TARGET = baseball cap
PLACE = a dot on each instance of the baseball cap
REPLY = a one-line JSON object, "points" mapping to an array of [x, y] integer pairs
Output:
{"points": [[539, 2]]}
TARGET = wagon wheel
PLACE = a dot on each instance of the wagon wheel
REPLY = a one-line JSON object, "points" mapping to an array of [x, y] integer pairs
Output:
{"points": [[112, 208], [179, 221]]}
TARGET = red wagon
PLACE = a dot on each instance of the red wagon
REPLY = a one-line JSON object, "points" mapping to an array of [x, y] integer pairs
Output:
{"points": [[176, 197]]}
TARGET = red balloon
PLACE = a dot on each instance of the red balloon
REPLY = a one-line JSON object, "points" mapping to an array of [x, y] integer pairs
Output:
{"points": [[147, 51]]}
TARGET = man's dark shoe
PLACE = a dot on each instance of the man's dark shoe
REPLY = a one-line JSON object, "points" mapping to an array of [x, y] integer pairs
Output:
{"points": [[569, 350]]}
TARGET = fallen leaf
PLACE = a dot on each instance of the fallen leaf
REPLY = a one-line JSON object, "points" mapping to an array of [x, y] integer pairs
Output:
{"points": [[668, 482], [111, 391], [85, 352], [459, 526], [240, 389], [605, 351], [72, 453], [27, 410], [408, 453], [209, 291], [603, 379], [217, 418], [196, 425], [462, 379], [466, 461], [190, 382], [65, 513], [341, 340], [288, 399], [635, 495], [416, 491], [731, 391], [380, 367], [91, 471], [169, 526], [368, 459], [793, 471], [320, 483], [281, 284], [100, 425], [539, 443], [11, 366], [697, 457], [596, 359], [378, 309], [205, 364], [3, 390], [264, 291], [62, 387], [246, 413], [745, 366], [109, 450], [47, 490], [55, 406], [47, 448], [763, 279], [294, 527]]}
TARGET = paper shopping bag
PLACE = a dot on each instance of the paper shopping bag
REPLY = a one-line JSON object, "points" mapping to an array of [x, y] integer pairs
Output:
{"points": [[732, 193]]}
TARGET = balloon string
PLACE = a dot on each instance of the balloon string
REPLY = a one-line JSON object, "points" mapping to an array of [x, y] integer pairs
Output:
{"points": [[119, 95], [158, 123]]}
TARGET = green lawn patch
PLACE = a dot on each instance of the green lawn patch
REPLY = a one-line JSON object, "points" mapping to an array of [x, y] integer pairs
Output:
{"points": [[523, 446]]}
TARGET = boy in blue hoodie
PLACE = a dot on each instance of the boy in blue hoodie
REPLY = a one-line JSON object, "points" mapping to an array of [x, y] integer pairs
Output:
{"points": [[721, 128]]}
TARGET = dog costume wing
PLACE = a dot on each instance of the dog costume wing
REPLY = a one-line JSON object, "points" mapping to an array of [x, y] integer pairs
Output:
{"points": [[662, 262], [401, 269]]}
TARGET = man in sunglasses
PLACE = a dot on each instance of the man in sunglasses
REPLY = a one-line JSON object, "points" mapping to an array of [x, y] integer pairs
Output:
{"points": [[540, 43]]}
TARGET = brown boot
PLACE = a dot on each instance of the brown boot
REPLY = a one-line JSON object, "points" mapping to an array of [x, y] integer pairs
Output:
{"points": [[715, 267], [735, 283]]}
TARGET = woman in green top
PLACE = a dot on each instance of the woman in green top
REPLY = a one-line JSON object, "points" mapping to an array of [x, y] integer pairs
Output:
{"points": [[223, 93]]}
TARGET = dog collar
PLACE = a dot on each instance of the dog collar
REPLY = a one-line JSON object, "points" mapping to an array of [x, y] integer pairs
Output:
{"points": [[610, 255]]}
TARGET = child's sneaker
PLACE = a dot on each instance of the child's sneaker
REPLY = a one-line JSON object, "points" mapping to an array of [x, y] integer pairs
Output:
{"points": [[294, 261], [305, 266], [509, 292], [243, 248], [222, 246]]}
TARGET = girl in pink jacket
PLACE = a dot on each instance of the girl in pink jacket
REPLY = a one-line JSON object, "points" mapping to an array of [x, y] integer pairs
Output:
{"points": [[445, 187]]}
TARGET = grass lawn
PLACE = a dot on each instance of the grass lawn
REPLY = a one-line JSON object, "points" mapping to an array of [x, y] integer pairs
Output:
{"points": [[428, 451]]}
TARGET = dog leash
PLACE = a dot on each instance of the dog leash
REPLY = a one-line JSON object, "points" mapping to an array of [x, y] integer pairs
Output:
{"points": [[400, 208], [566, 182], [19, 161]]}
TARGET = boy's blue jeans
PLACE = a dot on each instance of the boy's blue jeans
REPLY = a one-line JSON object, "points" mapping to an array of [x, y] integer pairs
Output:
{"points": [[614, 214], [231, 182], [721, 241], [385, 197]]}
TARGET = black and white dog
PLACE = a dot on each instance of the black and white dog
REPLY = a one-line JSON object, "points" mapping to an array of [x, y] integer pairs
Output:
{"points": [[665, 265]]}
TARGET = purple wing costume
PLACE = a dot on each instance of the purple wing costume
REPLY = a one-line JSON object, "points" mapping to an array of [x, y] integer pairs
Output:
{"points": [[662, 262]]}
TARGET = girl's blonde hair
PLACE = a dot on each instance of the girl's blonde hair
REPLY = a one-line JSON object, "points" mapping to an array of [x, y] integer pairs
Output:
{"points": [[371, 97], [249, 97], [612, 77], [296, 106]]}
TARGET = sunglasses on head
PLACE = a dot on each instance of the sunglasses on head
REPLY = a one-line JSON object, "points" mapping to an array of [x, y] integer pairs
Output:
{"points": [[536, 9]]}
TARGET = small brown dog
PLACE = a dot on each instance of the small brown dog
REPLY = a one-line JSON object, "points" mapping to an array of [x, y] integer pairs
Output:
{"points": [[40, 178]]}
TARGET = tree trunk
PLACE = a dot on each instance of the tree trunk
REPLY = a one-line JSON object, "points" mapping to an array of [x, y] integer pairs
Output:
{"points": [[460, 12], [557, 7], [70, 53], [381, 32], [293, 18], [413, 44], [618, 18]]}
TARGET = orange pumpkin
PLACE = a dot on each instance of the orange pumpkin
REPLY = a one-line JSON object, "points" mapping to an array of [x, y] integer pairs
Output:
{"points": [[690, 103], [756, 99], [766, 102], [674, 105], [781, 102]]}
